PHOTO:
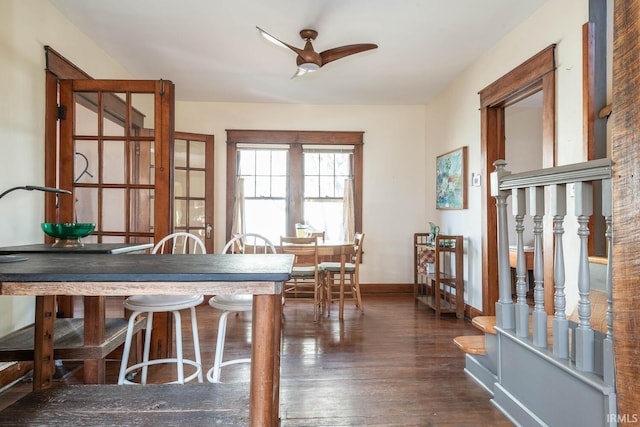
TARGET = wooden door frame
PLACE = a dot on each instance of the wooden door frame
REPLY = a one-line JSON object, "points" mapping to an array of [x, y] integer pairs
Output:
{"points": [[534, 75]]}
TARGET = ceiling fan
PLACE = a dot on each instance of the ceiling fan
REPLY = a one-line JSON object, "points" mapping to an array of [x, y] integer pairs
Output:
{"points": [[308, 59]]}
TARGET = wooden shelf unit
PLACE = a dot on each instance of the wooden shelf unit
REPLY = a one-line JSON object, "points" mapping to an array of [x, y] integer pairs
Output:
{"points": [[441, 288]]}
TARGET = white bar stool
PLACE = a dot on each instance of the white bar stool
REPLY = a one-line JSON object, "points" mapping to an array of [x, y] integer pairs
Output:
{"points": [[149, 304], [242, 243]]}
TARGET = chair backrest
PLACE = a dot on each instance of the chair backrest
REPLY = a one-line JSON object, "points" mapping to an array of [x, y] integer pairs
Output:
{"points": [[358, 239], [179, 243], [249, 243], [319, 235], [304, 249]]}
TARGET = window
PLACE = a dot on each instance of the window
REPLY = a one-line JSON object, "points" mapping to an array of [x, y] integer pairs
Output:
{"points": [[292, 177]]}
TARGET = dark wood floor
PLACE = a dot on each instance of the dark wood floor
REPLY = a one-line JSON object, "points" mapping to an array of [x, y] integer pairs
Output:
{"points": [[396, 365]]}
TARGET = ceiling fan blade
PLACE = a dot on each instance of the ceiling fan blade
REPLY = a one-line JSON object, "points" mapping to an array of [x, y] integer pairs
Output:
{"points": [[275, 41], [342, 51]]}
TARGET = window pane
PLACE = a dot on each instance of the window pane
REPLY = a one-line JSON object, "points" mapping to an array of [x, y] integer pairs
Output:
{"points": [[196, 213], [327, 187], [311, 186], [263, 186], [113, 162], [196, 183], [343, 164], [180, 183], [113, 218], [142, 110], [142, 160], [249, 187], [180, 213], [180, 153], [279, 165], [196, 154], [325, 215], [86, 207], [141, 202], [86, 162], [279, 187], [263, 162], [86, 119], [339, 186], [266, 217], [113, 114], [311, 163], [327, 163], [247, 163]]}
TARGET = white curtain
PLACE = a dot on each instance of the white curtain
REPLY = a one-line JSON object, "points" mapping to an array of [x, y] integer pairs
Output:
{"points": [[238, 226], [348, 211]]}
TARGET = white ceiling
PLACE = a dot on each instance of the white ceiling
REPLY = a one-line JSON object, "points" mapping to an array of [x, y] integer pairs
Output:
{"points": [[212, 51]]}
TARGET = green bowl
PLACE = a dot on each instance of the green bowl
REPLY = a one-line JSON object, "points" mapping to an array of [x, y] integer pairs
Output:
{"points": [[67, 230]]}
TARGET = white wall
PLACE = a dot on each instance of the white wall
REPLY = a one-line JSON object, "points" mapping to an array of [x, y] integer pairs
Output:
{"points": [[394, 171], [453, 119], [523, 152], [26, 26]]}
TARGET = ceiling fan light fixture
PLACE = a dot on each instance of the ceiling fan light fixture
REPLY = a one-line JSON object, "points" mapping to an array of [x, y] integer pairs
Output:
{"points": [[309, 67]]}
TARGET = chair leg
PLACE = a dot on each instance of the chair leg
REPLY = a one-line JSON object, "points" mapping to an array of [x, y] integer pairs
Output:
{"points": [[179, 357], [196, 343], [127, 347], [214, 373], [147, 345], [342, 279], [355, 286], [317, 292]]}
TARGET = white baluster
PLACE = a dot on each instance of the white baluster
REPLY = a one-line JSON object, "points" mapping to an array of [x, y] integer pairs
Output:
{"points": [[505, 311], [584, 333], [519, 208], [560, 323], [539, 316]]}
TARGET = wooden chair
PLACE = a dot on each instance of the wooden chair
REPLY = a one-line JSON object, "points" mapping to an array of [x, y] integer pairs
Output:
{"points": [[305, 276], [319, 235], [175, 243], [239, 244], [351, 276]]}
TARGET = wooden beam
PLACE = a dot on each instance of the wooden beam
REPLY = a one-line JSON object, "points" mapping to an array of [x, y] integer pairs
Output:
{"points": [[625, 153]]}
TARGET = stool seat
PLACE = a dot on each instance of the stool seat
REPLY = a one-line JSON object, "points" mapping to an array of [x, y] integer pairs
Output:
{"points": [[242, 302], [159, 303]]}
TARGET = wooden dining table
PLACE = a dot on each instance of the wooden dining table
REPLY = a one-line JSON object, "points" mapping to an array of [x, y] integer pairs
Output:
{"points": [[48, 275]]}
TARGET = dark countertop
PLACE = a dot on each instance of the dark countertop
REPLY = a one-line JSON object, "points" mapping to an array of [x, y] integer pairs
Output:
{"points": [[88, 248], [76, 267]]}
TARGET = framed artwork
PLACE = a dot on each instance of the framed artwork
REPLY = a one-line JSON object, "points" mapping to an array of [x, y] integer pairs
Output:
{"points": [[451, 179]]}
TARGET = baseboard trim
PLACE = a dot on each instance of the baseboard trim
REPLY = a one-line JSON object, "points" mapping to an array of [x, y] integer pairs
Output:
{"points": [[386, 288]]}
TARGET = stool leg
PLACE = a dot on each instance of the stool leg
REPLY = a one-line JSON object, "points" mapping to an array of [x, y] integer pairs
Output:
{"points": [[147, 345], [222, 330], [127, 347], [196, 342], [179, 358]]}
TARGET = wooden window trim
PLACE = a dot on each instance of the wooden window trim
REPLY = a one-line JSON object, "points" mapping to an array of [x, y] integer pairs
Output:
{"points": [[294, 138]]}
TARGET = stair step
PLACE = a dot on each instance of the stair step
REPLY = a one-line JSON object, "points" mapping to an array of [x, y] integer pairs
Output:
{"points": [[471, 344], [486, 324]]}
